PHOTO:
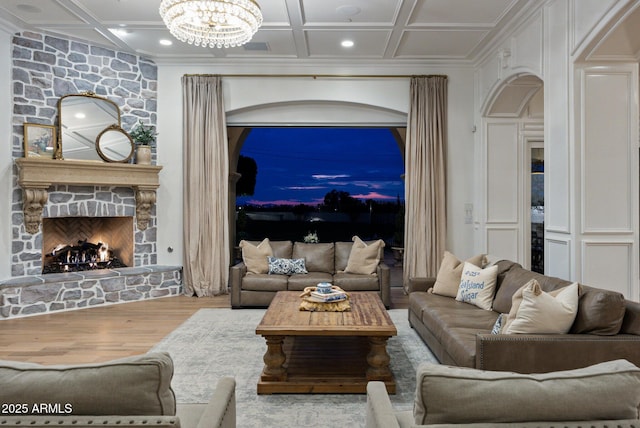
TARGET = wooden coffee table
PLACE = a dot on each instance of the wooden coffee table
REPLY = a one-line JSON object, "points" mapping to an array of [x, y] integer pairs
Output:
{"points": [[325, 352]]}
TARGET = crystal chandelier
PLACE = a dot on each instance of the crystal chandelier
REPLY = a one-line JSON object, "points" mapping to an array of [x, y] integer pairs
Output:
{"points": [[212, 23]]}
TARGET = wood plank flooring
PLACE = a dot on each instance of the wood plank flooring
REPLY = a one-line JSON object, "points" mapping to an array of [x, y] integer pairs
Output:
{"points": [[107, 332]]}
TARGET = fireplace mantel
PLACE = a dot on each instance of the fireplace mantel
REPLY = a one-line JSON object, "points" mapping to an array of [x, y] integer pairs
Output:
{"points": [[36, 175]]}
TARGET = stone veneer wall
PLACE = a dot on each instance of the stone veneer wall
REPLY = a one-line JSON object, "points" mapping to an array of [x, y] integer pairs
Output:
{"points": [[40, 294], [46, 68]]}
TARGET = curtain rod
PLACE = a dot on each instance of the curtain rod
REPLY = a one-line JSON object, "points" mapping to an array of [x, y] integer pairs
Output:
{"points": [[327, 76]]}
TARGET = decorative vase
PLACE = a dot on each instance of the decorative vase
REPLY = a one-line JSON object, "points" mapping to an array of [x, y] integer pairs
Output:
{"points": [[143, 155]]}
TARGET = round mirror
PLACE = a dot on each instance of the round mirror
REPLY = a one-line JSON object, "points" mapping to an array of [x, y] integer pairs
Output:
{"points": [[82, 117], [113, 144]]}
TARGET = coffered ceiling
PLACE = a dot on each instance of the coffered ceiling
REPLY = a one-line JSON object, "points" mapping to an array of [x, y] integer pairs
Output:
{"points": [[382, 30]]}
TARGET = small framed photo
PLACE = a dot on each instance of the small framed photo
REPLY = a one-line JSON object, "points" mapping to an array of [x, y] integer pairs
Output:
{"points": [[39, 140]]}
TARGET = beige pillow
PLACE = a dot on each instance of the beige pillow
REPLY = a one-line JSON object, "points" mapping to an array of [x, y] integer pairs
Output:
{"points": [[364, 258], [477, 285], [461, 395], [256, 257], [450, 272], [534, 311]]}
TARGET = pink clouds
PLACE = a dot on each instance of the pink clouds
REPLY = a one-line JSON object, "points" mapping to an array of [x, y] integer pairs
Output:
{"points": [[374, 195]]}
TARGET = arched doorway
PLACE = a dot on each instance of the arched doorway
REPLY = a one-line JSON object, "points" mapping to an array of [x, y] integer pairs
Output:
{"points": [[513, 173]]}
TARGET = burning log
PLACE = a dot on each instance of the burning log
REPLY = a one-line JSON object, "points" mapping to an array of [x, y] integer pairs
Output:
{"points": [[84, 256]]}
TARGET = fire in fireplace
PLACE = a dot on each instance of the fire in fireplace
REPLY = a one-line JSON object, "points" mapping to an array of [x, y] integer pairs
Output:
{"points": [[81, 257], [71, 244]]}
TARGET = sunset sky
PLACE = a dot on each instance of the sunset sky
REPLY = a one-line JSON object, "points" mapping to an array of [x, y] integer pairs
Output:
{"points": [[301, 165]]}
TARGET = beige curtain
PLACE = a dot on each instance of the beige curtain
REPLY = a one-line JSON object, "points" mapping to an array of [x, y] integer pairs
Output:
{"points": [[425, 177], [205, 199]]}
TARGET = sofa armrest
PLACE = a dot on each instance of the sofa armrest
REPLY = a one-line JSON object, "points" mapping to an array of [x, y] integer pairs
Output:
{"points": [[236, 273], [221, 409], [539, 353], [380, 412], [420, 284], [384, 281]]}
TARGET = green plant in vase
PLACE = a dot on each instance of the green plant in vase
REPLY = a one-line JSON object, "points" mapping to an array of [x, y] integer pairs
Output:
{"points": [[144, 137]]}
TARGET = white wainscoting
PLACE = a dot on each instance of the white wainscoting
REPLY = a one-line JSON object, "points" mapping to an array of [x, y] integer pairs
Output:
{"points": [[608, 265], [503, 242]]}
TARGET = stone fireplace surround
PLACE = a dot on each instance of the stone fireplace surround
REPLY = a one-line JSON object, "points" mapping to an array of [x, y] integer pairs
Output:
{"points": [[91, 189]]}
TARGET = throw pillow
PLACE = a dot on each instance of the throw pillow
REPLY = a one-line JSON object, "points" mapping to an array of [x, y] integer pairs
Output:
{"points": [[448, 278], [534, 311], [280, 266], [604, 391], [364, 259], [477, 285], [497, 327], [255, 256]]}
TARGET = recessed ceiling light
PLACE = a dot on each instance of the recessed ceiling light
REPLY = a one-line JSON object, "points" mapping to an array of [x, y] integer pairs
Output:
{"points": [[166, 42], [348, 10], [80, 115], [120, 32], [347, 43]]}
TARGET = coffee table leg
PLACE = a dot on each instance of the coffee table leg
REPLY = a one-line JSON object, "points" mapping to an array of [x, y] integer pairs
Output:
{"points": [[274, 359], [378, 360]]}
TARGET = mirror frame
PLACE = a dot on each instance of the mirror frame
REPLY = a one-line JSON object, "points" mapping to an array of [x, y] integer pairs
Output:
{"points": [[57, 154], [114, 128]]}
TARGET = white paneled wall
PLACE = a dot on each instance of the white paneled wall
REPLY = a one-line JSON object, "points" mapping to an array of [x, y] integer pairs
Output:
{"points": [[607, 155], [502, 173]]}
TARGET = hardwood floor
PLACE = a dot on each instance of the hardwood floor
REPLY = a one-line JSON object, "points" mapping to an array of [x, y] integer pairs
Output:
{"points": [[107, 332]]}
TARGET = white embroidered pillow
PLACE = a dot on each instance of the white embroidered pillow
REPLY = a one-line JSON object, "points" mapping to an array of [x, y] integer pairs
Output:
{"points": [[255, 256], [477, 285]]}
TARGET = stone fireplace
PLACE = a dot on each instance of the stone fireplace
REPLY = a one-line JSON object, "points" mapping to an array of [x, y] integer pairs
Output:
{"points": [[69, 201]]}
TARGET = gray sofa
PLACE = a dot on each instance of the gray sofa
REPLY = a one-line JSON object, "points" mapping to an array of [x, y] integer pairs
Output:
{"points": [[598, 396], [134, 391], [324, 263], [607, 327]]}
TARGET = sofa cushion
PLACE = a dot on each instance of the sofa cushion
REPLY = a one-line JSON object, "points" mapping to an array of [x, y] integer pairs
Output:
{"points": [[255, 256], [139, 385], [449, 273], [609, 390], [264, 282], [453, 324], [298, 282], [364, 258], [477, 285], [514, 279], [342, 252], [280, 266], [318, 257], [599, 312], [536, 312], [356, 282]]}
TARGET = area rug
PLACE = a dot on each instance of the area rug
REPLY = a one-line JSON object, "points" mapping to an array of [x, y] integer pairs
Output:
{"points": [[222, 342]]}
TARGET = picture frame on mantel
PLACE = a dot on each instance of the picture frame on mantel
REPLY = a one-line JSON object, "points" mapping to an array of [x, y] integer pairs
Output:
{"points": [[39, 140]]}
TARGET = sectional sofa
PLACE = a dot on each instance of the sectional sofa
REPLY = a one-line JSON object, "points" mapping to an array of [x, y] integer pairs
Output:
{"points": [[606, 327], [324, 262]]}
